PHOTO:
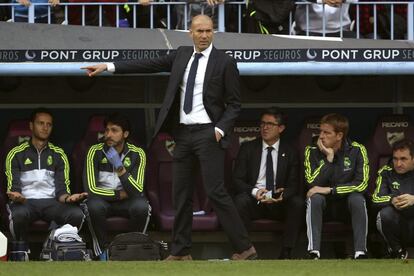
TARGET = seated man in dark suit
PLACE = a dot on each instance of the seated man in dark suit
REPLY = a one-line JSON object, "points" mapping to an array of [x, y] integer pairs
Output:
{"points": [[266, 179]]}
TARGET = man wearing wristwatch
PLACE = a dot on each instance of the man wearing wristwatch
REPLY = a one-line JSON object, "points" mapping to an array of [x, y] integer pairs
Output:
{"points": [[38, 184], [114, 178], [336, 173]]}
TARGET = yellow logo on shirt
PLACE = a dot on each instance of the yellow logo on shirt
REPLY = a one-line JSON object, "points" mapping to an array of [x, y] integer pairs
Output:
{"points": [[49, 160], [127, 162], [347, 163], [395, 185]]}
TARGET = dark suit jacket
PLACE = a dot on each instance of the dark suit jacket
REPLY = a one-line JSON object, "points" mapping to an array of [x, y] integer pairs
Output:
{"points": [[221, 88], [247, 168]]}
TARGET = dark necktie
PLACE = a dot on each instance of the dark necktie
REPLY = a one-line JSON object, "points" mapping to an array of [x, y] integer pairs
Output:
{"points": [[188, 98], [269, 170]]}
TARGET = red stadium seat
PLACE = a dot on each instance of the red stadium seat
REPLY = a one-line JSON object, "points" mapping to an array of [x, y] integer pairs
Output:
{"points": [[389, 129], [93, 134], [243, 131], [309, 131], [18, 132], [159, 189]]}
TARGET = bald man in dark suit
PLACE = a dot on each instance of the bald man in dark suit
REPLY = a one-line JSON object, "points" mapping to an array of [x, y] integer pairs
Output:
{"points": [[201, 104]]}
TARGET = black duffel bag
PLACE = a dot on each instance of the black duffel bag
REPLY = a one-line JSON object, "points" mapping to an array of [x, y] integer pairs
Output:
{"points": [[54, 250], [136, 246]]}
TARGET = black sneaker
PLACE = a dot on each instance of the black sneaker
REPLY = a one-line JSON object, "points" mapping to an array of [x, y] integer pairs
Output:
{"points": [[402, 254], [313, 256]]}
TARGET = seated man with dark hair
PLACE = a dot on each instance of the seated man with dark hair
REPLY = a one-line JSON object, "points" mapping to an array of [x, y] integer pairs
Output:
{"points": [[38, 183], [266, 179], [114, 178], [337, 172], [394, 193]]}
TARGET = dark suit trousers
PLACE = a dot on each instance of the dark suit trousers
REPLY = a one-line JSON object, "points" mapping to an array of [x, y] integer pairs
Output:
{"points": [[291, 211], [135, 208], [397, 227], [197, 143]]}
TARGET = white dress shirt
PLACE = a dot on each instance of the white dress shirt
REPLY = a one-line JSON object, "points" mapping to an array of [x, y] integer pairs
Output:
{"points": [[198, 114], [261, 179]]}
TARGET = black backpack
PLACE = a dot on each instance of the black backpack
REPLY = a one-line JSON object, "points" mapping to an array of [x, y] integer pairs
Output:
{"points": [[54, 250], [136, 246]]}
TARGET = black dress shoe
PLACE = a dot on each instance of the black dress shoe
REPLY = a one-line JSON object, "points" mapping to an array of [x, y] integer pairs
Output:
{"points": [[179, 258], [249, 254], [400, 254]]}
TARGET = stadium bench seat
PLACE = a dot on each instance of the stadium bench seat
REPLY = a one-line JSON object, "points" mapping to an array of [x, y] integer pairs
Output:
{"points": [[243, 131], [309, 131], [93, 134], [389, 129]]}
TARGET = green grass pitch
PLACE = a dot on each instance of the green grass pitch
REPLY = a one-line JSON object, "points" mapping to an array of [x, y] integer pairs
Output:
{"points": [[198, 268]]}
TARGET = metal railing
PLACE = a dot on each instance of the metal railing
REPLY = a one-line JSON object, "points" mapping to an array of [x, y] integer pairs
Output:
{"points": [[81, 11], [373, 8]]}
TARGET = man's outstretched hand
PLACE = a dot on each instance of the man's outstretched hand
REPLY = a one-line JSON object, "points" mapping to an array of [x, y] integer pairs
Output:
{"points": [[94, 70]]}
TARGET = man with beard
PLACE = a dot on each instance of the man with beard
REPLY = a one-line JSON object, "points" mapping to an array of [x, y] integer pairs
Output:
{"points": [[38, 184], [114, 178]]}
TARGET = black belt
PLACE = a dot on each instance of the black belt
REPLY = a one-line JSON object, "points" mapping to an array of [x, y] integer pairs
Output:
{"points": [[196, 126]]}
